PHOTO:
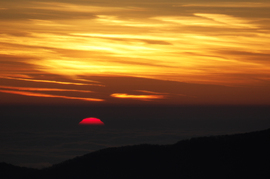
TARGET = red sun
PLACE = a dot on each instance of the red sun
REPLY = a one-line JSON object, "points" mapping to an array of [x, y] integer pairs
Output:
{"points": [[91, 121]]}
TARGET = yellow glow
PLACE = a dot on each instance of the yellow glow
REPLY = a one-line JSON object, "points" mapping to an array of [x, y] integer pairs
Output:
{"points": [[192, 47], [139, 97]]}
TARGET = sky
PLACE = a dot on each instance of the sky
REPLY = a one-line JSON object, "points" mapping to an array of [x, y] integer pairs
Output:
{"points": [[175, 52]]}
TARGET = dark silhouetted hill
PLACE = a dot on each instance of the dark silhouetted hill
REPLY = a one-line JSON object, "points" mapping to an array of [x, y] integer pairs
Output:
{"points": [[229, 156], [8, 171]]}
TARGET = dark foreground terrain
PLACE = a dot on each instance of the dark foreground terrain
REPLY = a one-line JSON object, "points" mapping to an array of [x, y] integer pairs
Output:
{"points": [[230, 156]]}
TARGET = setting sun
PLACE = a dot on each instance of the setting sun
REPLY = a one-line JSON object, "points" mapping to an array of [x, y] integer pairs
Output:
{"points": [[91, 121]]}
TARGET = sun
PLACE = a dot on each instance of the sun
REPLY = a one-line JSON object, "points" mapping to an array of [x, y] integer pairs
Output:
{"points": [[91, 121]]}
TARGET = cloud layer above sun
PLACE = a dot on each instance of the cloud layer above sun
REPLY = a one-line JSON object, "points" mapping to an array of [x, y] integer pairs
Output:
{"points": [[210, 42]]}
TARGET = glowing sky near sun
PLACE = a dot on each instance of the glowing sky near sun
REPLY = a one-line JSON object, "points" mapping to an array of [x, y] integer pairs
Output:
{"points": [[62, 44]]}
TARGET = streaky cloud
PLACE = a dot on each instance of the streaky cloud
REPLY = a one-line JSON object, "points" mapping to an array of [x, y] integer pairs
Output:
{"points": [[150, 92], [227, 4], [44, 89], [48, 81], [49, 95], [139, 97]]}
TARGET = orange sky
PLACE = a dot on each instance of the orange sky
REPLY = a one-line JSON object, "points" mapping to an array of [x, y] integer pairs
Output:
{"points": [[158, 52]]}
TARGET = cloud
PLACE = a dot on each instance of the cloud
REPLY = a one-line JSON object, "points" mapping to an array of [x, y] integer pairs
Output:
{"points": [[25, 14], [44, 10], [48, 95], [162, 40], [225, 4], [125, 38], [139, 97], [248, 55], [72, 7], [208, 20], [228, 20], [150, 92], [157, 42], [46, 81], [43, 89], [112, 20]]}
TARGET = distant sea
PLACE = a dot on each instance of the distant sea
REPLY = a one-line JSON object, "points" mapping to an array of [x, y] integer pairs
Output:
{"points": [[40, 136]]}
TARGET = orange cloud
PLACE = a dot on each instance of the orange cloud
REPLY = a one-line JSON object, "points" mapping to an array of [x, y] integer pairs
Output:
{"points": [[150, 92], [139, 97], [96, 40], [49, 81], [43, 89], [48, 95], [68, 7], [227, 4]]}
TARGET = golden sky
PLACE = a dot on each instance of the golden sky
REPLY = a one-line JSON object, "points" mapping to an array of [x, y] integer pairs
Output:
{"points": [[144, 51]]}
